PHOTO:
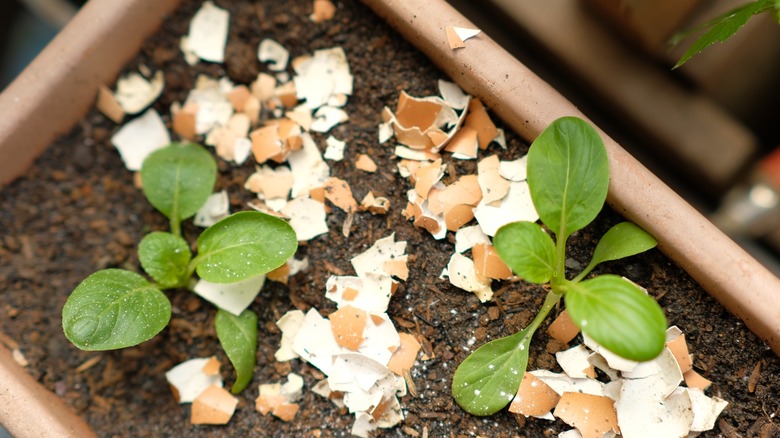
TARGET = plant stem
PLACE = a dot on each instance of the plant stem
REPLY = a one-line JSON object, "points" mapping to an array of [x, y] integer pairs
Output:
{"points": [[175, 226], [549, 302]]}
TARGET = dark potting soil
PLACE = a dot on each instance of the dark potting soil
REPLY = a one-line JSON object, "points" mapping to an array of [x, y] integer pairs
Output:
{"points": [[77, 211]]}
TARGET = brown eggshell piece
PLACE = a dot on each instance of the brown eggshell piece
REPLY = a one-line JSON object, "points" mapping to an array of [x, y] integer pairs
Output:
{"points": [[465, 190], [211, 367], [279, 274], [464, 142], [534, 397], [679, 349], [365, 163], [479, 120], [263, 87], [184, 121], [396, 268], [404, 356], [563, 328], [488, 263], [238, 97], [453, 39], [425, 177], [696, 380], [347, 325], [265, 143], [458, 215], [215, 405], [324, 10], [265, 404], [339, 193], [286, 411], [413, 112], [108, 105], [349, 294], [592, 415]]}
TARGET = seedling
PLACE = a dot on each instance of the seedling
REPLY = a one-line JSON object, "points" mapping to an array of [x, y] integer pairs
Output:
{"points": [[116, 308], [724, 27], [568, 175]]}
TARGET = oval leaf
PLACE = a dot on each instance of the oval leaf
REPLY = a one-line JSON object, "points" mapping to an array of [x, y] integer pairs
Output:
{"points": [[623, 240], [244, 245], [568, 174], [618, 315], [721, 28], [113, 309], [238, 336], [164, 256], [178, 179], [489, 378], [527, 249]]}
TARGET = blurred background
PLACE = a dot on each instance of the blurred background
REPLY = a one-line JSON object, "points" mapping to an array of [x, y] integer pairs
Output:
{"points": [[710, 129]]}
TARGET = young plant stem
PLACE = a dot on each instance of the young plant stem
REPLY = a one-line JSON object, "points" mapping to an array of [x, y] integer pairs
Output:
{"points": [[175, 226], [550, 301]]}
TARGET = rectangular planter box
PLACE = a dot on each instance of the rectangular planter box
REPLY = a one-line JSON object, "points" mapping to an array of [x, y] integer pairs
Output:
{"points": [[60, 86]]}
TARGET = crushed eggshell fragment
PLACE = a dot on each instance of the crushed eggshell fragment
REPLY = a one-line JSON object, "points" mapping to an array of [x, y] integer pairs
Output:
{"points": [[335, 149], [289, 324], [233, 297], [592, 415], [574, 362], [134, 93], [467, 237], [365, 163], [324, 10], [374, 204], [675, 342], [216, 208], [347, 324], [515, 206], [462, 274], [563, 328], [215, 405], [108, 105], [339, 193], [140, 137], [696, 380], [705, 409], [494, 187], [208, 33], [307, 217], [321, 76], [534, 398], [456, 36], [488, 264], [275, 54], [190, 378], [279, 400], [403, 358]]}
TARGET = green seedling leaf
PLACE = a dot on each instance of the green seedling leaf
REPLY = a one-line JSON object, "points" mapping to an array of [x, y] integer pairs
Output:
{"points": [[527, 249], [568, 175], [244, 245], [721, 28], [238, 336], [165, 256], [489, 378], [113, 309], [618, 315], [178, 179], [623, 240]]}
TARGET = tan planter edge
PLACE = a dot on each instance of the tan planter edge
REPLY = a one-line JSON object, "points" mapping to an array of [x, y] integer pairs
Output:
{"points": [[60, 86], [27, 409], [528, 104]]}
